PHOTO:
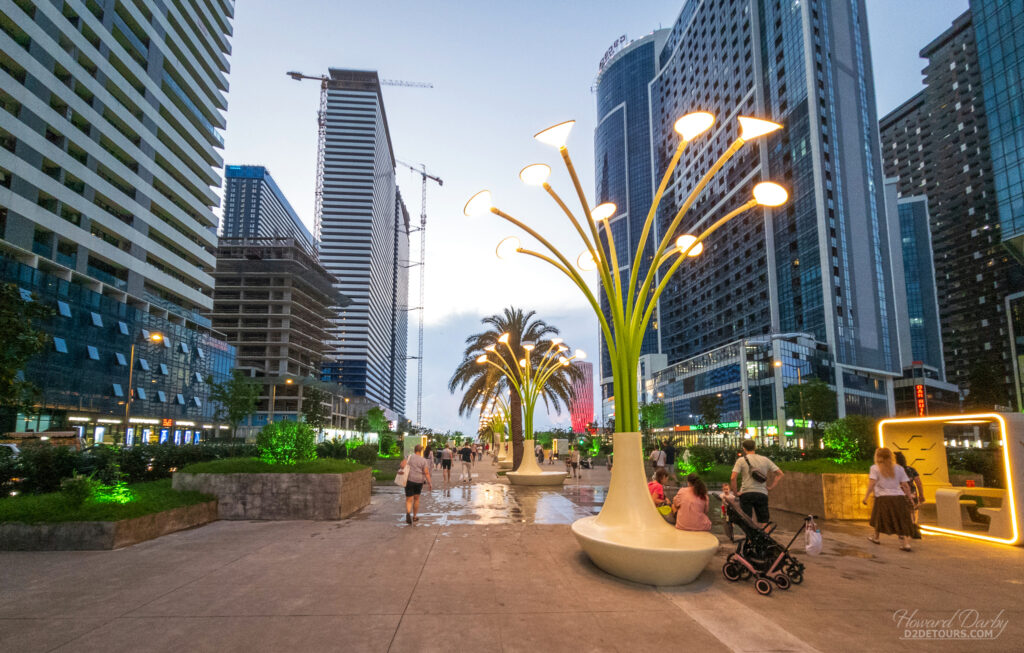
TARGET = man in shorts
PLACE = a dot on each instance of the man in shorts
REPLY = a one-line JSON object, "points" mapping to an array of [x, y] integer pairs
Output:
{"points": [[754, 497], [419, 473], [446, 465], [466, 455]]}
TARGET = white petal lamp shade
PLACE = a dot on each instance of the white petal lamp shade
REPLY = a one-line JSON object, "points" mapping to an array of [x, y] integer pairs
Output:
{"points": [[754, 127], [490, 348], [529, 345], [562, 360], [481, 359], [503, 338], [586, 262], [556, 135], [603, 211], [535, 174], [522, 362], [579, 354], [684, 241], [478, 204], [770, 194], [556, 341], [507, 248], [693, 125]]}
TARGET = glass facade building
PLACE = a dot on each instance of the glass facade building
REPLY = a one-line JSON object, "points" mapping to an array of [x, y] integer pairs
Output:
{"points": [[364, 243], [254, 207], [999, 31], [581, 411]]}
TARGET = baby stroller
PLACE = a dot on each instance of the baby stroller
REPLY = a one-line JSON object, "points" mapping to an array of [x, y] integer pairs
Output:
{"points": [[760, 556]]}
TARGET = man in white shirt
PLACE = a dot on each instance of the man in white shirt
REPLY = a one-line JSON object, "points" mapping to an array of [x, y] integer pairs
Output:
{"points": [[759, 475]]}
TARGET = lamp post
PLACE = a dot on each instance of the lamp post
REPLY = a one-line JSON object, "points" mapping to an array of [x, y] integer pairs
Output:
{"points": [[628, 517], [153, 337], [273, 398], [346, 413]]}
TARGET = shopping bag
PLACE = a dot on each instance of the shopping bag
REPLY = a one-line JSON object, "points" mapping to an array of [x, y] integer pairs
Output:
{"points": [[812, 539], [402, 476]]}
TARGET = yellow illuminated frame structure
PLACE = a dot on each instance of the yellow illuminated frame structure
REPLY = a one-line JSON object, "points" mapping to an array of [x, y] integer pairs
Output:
{"points": [[1011, 433]]}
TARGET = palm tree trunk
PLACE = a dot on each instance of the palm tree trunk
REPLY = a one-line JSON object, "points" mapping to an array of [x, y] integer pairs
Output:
{"points": [[515, 405]]}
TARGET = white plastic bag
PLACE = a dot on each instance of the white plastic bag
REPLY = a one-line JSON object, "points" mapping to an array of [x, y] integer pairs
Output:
{"points": [[402, 475], [812, 539]]}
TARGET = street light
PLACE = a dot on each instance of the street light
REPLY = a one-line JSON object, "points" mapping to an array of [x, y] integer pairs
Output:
{"points": [[153, 337], [273, 398]]}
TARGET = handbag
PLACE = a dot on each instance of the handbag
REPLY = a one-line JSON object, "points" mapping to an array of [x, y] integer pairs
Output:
{"points": [[402, 475], [755, 474]]}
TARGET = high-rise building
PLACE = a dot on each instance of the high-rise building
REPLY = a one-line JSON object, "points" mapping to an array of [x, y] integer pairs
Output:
{"points": [[110, 157], [581, 411], [364, 242], [819, 266], [622, 165], [998, 26], [254, 207], [937, 144], [275, 304]]}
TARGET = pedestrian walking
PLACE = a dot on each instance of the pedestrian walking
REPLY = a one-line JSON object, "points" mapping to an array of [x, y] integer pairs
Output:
{"points": [[658, 459], [916, 487], [890, 513], [446, 465], [538, 453], [574, 462], [759, 476], [690, 506], [466, 455], [419, 473]]}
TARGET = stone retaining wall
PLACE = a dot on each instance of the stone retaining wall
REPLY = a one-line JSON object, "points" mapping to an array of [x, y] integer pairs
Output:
{"points": [[830, 496], [282, 496], [103, 535]]}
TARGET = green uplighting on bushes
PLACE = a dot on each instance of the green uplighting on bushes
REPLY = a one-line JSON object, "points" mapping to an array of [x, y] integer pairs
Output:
{"points": [[286, 443]]}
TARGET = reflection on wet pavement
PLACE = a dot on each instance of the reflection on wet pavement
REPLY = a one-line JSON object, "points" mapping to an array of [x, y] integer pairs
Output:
{"points": [[488, 503]]}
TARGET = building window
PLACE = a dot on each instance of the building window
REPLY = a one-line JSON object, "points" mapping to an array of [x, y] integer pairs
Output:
{"points": [[63, 309], [140, 393], [26, 295], [183, 347], [198, 377], [145, 334], [118, 390], [97, 321], [180, 398], [93, 352], [144, 364], [161, 396], [121, 360], [123, 328], [163, 369], [200, 353], [167, 343], [198, 402]]}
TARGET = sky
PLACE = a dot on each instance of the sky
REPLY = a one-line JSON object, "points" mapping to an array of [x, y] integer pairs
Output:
{"points": [[501, 71]]}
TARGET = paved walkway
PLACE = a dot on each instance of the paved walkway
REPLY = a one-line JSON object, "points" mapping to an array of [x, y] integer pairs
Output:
{"points": [[488, 568]]}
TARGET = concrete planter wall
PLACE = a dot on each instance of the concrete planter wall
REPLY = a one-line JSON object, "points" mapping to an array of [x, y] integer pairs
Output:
{"points": [[282, 496], [103, 535], [830, 496]]}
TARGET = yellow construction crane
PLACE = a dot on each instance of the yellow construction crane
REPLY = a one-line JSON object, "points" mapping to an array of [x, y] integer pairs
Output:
{"points": [[421, 170], [321, 141]]}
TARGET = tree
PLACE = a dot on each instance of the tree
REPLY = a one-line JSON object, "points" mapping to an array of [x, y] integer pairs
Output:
{"points": [[376, 421], [314, 410], [479, 383], [985, 390], [652, 416], [850, 438], [813, 401], [710, 407], [235, 398], [20, 341]]}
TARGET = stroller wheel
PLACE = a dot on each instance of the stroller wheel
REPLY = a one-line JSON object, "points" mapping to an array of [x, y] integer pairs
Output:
{"points": [[731, 571], [763, 587], [796, 577], [782, 581]]}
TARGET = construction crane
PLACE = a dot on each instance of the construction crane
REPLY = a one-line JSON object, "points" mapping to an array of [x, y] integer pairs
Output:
{"points": [[424, 176], [321, 140]]}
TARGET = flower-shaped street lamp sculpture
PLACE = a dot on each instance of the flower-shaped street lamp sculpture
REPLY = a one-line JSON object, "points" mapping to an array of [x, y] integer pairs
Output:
{"points": [[629, 538], [527, 373], [495, 414]]}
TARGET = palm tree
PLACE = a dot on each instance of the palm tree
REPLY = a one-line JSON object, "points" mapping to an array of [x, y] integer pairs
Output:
{"points": [[480, 383]]}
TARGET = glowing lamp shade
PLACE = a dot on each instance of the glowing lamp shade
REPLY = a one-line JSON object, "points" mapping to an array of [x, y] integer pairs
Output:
{"points": [[490, 348], [481, 359], [754, 127], [579, 354], [503, 338], [536, 174], [770, 194], [586, 262], [603, 211], [529, 345], [684, 242], [556, 135], [478, 204], [556, 341], [693, 125], [507, 248], [563, 360], [522, 362]]}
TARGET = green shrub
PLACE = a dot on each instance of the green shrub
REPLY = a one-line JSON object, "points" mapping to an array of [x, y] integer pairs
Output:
{"points": [[698, 459], [286, 443], [77, 490], [8, 471], [332, 449], [364, 454], [43, 467]]}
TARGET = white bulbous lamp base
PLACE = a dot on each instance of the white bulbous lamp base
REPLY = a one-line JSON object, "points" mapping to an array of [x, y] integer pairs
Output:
{"points": [[630, 539], [530, 473]]}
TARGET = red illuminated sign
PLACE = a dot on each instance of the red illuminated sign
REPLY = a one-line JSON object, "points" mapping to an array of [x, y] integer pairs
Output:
{"points": [[919, 398], [167, 422]]}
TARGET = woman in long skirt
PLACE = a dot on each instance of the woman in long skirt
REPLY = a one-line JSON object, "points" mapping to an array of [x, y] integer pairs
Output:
{"points": [[890, 513]]}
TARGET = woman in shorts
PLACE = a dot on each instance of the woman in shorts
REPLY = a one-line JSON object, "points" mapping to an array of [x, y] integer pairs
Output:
{"points": [[419, 473]]}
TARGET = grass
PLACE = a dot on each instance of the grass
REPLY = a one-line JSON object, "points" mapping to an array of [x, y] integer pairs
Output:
{"points": [[155, 496], [379, 475], [256, 466]]}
